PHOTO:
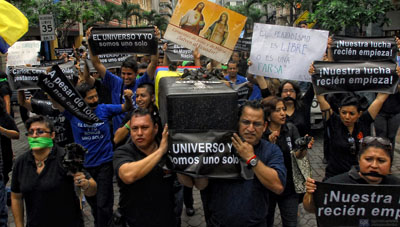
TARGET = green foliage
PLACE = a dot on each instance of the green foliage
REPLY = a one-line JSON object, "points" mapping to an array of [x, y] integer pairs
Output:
{"points": [[334, 15]]}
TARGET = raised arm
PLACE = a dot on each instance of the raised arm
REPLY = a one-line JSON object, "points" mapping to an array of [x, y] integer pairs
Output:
{"points": [[151, 68], [323, 104], [128, 105], [196, 56], [100, 68], [308, 199], [165, 58], [377, 104], [86, 75], [133, 171]]}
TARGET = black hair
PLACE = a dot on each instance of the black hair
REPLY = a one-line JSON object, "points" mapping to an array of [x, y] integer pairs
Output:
{"points": [[143, 65], [375, 143], [131, 63], [42, 119], [139, 112], [256, 105], [233, 62], [149, 87], [3, 75], [296, 88], [83, 89], [350, 100], [302, 22], [270, 103]]}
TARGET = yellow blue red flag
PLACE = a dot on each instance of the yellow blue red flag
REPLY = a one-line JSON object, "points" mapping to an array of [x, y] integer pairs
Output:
{"points": [[13, 25]]}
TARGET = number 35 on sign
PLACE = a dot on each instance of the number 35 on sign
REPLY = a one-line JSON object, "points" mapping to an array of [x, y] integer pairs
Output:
{"points": [[47, 31]]}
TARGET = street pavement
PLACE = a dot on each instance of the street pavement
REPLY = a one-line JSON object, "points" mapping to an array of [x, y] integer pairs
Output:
{"points": [[305, 219]]}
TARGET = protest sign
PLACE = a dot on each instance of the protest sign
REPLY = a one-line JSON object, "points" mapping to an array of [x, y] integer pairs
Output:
{"points": [[60, 51], [211, 27], [357, 205], [56, 84], [52, 62], [364, 49], [140, 40], [23, 53], [177, 52], [23, 77], [286, 52], [332, 77], [243, 44]]}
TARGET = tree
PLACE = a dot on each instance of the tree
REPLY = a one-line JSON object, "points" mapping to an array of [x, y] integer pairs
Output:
{"points": [[127, 10], [333, 15], [149, 16], [161, 22], [252, 13]]}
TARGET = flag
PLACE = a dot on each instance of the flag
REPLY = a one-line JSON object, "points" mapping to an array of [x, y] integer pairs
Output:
{"points": [[13, 25]]}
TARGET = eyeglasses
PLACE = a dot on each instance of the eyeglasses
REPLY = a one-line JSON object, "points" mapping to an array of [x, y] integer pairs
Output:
{"points": [[255, 124], [352, 143], [371, 139], [39, 132], [288, 90]]}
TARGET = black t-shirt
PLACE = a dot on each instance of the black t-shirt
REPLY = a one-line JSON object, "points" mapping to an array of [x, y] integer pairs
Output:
{"points": [[301, 116], [343, 151], [392, 104], [285, 142], [49, 196], [62, 126], [150, 200], [352, 177], [6, 122], [5, 89]]}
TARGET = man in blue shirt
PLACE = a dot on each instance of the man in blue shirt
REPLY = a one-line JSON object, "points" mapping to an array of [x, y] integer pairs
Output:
{"points": [[97, 140], [116, 84], [236, 79], [240, 202]]}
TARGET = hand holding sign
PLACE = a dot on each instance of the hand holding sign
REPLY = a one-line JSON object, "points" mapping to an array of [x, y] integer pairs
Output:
{"points": [[164, 141]]}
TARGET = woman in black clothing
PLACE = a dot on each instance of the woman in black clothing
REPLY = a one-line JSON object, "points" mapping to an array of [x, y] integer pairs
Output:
{"points": [[284, 135], [375, 161]]}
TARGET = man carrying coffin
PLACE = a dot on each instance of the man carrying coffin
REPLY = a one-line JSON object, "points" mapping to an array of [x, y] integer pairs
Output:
{"points": [[97, 140], [146, 189], [116, 84], [240, 202]]}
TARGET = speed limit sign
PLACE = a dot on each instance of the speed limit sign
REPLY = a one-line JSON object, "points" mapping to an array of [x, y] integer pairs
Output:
{"points": [[47, 29]]}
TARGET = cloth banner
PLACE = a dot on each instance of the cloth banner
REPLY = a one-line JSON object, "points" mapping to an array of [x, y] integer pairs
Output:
{"points": [[23, 53], [110, 61], [209, 26], [357, 205], [13, 25], [286, 52], [364, 49], [57, 85], [204, 153], [332, 77], [177, 52], [123, 40], [23, 78]]}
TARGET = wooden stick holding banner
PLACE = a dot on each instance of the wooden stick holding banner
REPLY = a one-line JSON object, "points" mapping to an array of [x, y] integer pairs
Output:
{"points": [[285, 52], [123, 40], [332, 77], [364, 49], [56, 84], [206, 25], [357, 205]]}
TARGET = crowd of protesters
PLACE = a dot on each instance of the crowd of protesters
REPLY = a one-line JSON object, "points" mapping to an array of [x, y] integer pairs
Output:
{"points": [[131, 144]]}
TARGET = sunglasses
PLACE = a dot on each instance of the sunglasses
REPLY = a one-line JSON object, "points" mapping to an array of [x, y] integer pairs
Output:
{"points": [[373, 139]]}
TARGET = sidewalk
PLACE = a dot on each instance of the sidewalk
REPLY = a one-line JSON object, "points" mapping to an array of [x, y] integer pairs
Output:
{"points": [[305, 219]]}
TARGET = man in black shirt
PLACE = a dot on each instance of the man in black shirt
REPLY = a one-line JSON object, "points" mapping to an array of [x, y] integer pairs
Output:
{"points": [[146, 189]]}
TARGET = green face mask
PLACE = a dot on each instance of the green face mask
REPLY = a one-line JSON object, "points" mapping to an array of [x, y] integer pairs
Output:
{"points": [[40, 142]]}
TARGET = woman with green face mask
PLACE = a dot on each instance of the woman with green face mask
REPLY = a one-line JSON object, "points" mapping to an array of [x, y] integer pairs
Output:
{"points": [[40, 180]]}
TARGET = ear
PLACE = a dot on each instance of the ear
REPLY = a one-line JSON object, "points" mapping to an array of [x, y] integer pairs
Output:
{"points": [[153, 98], [265, 126], [53, 135]]}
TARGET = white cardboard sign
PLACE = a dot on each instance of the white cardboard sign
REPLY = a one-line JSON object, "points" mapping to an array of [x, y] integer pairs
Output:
{"points": [[286, 52], [23, 52]]}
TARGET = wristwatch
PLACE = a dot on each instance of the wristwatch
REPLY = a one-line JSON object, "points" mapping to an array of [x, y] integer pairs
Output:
{"points": [[252, 162]]}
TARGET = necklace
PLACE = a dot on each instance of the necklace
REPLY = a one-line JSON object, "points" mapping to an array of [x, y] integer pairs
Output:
{"points": [[40, 163]]}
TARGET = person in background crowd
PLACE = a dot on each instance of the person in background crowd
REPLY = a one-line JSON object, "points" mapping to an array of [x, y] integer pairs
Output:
{"points": [[41, 183], [284, 134], [147, 195], [241, 63], [239, 202], [6, 93], [117, 85], [8, 131], [347, 129], [96, 139], [375, 160]]}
